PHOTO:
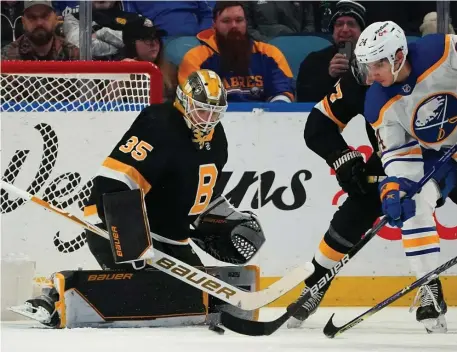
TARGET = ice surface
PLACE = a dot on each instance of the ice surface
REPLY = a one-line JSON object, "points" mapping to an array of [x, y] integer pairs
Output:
{"points": [[392, 330]]}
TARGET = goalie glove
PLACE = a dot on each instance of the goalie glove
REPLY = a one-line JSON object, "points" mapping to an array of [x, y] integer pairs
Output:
{"points": [[226, 234]]}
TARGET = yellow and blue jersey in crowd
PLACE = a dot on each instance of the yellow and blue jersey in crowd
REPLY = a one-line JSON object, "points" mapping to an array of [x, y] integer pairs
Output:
{"points": [[269, 78]]}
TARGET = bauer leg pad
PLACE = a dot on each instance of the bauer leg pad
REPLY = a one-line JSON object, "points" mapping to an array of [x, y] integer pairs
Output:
{"points": [[146, 298]]}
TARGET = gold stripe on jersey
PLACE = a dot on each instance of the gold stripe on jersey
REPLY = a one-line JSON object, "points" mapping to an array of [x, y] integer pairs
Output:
{"points": [[437, 64], [386, 106], [124, 173], [329, 113]]}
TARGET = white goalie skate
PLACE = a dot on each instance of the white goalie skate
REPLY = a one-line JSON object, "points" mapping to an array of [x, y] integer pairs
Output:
{"points": [[39, 309], [39, 314]]}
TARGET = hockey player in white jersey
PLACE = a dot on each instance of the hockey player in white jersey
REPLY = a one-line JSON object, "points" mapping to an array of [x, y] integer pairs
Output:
{"points": [[412, 105]]}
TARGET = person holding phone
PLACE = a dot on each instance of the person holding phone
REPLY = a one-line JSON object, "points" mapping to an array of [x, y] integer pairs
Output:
{"points": [[321, 70]]}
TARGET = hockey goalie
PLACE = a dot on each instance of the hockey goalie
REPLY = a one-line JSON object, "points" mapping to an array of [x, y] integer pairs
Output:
{"points": [[156, 190]]}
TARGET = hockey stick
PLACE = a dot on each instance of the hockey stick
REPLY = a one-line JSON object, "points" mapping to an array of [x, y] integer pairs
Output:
{"points": [[189, 274], [258, 328], [331, 330]]}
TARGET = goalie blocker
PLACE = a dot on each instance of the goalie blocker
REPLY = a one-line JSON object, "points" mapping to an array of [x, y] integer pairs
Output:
{"points": [[136, 298], [128, 226]]}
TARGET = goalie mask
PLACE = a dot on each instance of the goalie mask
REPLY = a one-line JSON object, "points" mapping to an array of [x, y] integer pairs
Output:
{"points": [[228, 235], [202, 99]]}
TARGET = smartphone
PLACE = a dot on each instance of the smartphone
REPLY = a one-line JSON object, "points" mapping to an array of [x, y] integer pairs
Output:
{"points": [[346, 49]]}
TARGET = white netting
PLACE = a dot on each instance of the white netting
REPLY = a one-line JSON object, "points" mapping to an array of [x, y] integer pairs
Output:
{"points": [[77, 86], [29, 87]]}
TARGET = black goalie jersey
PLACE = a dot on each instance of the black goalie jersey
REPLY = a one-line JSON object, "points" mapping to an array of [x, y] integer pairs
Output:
{"points": [[331, 115], [176, 168]]}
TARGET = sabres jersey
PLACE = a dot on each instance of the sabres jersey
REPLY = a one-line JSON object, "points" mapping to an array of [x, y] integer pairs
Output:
{"points": [[269, 73], [162, 156], [420, 112]]}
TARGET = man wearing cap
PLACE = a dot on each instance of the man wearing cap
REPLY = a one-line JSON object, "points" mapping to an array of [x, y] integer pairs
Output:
{"points": [[39, 41], [322, 69]]}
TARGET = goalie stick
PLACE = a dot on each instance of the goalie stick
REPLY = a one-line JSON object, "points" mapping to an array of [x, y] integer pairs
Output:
{"points": [[190, 275], [259, 328], [330, 330]]}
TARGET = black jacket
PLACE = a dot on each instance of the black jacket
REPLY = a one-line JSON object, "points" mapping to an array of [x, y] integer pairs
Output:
{"points": [[314, 81], [11, 22], [268, 19]]}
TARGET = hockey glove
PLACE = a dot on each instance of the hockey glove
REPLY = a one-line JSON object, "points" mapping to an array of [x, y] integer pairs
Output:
{"points": [[227, 234], [395, 206], [350, 171]]}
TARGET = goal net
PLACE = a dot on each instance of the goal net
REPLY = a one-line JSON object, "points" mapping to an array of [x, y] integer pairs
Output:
{"points": [[59, 121]]}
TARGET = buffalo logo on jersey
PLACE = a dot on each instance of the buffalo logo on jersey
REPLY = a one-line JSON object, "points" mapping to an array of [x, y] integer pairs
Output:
{"points": [[202, 100], [435, 118]]}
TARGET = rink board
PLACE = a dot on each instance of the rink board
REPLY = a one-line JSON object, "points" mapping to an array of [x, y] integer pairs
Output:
{"points": [[298, 196]]}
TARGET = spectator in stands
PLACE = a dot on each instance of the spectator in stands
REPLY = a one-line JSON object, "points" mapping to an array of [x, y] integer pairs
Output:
{"points": [[250, 70], [407, 14], [177, 18], [321, 70], [39, 41], [430, 24], [267, 19], [106, 42], [143, 42], [11, 21]]}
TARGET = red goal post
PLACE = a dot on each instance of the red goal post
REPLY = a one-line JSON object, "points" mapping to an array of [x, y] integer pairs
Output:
{"points": [[112, 82]]}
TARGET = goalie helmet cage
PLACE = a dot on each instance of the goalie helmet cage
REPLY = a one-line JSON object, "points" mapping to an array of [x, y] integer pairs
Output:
{"points": [[67, 87]]}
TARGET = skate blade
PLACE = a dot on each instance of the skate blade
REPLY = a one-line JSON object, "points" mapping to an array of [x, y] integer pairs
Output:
{"points": [[435, 326], [27, 310]]}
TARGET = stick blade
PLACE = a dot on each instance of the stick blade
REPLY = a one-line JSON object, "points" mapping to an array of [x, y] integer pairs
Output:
{"points": [[252, 327], [259, 328], [330, 329]]}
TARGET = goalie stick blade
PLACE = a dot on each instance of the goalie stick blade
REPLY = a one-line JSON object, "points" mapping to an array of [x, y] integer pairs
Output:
{"points": [[252, 327]]}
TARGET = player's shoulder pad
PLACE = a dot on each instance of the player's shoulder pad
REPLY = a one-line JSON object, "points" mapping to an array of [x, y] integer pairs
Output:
{"points": [[427, 51], [375, 99]]}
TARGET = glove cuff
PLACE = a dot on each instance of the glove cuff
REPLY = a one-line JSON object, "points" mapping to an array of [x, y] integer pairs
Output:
{"points": [[344, 157], [388, 187]]}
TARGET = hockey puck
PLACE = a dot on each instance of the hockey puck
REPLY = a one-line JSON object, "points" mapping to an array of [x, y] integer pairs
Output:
{"points": [[216, 329]]}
